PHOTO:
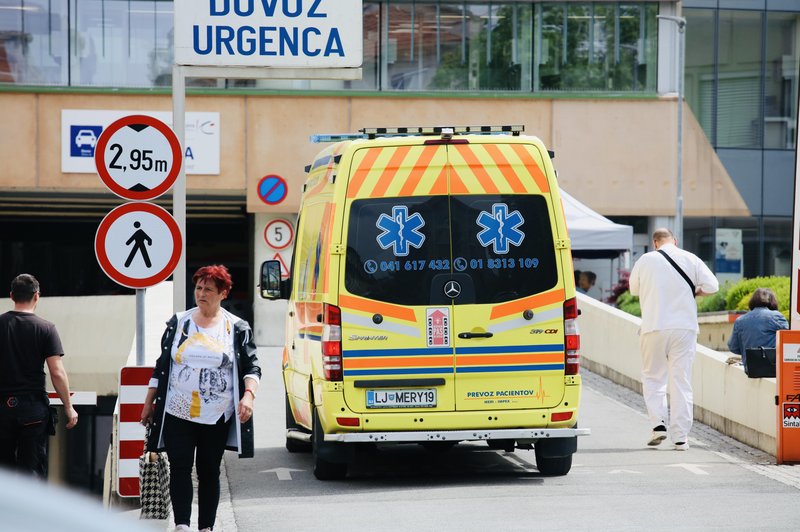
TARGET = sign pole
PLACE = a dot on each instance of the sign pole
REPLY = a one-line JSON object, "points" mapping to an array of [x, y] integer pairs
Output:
{"points": [[179, 189], [140, 293]]}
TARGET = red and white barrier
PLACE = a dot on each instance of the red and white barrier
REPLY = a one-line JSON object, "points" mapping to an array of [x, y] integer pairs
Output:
{"points": [[77, 398], [130, 432]]}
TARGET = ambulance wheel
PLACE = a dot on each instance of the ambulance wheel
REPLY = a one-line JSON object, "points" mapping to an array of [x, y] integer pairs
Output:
{"points": [[293, 445], [324, 469], [553, 467]]}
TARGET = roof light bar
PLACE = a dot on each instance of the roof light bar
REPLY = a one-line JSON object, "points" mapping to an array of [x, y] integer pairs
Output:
{"points": [[319, 139], [373, 132]]}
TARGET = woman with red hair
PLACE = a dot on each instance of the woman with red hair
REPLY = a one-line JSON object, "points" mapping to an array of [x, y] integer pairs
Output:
{"points": [[204, 384]]}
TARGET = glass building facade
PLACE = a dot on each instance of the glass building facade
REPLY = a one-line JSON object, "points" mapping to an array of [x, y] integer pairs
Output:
{"points": [[741, 82], [408, 46], [741, 72]]}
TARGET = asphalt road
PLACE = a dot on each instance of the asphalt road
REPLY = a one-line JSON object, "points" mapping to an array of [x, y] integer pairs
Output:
{"points": [[616, 483]]}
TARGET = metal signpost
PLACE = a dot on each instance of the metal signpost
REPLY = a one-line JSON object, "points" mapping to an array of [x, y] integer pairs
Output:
{"points": [[138, 244], [239, 39]]}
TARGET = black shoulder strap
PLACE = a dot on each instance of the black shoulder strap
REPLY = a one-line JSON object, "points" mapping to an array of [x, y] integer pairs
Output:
{"points": [[680, 271]]}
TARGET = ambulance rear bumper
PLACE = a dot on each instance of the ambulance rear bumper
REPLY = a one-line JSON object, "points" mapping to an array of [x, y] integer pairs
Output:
{"points": [[520, 435]]}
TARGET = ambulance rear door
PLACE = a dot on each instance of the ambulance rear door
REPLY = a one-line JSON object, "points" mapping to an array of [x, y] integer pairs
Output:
{"points": [[396, 336], [508, 291]]}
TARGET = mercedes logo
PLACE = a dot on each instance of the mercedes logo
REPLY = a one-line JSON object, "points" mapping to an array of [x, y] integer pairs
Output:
{"points": [[452, 289]]}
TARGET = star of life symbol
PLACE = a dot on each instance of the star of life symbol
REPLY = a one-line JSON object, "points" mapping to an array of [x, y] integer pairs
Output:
{"points": [[500, 228], [400, 231]]}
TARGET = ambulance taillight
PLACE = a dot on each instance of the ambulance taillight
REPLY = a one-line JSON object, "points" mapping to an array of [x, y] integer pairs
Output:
{"points": [[332, 343], [572, 338]]}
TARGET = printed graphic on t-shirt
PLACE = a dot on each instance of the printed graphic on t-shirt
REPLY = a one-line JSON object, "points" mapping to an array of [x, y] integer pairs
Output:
{"points": [[201, 382]]}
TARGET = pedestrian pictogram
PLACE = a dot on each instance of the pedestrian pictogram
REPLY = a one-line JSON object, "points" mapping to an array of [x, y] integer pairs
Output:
{"points": [[138, 245], [400, 231], [279, 234], [272, 189], [500, 228], [138, 157], [138, 240]]}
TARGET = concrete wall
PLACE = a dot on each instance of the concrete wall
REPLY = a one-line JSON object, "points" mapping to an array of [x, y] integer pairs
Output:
{"points": [[616, 155], [269, 317], [98, 334], [724, 397]]}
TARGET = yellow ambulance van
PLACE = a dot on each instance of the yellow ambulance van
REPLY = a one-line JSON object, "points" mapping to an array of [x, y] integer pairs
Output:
{"points": [[431, 298]]}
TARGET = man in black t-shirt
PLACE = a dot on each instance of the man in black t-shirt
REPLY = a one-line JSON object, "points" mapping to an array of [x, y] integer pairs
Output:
{"points": [[26, 343]]}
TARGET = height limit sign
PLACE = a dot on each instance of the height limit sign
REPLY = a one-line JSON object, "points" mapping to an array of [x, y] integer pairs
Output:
{"points": [[138, 157]]}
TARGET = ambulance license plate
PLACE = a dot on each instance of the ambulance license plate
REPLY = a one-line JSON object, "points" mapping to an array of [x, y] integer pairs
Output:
{"points": [[416, 398]]}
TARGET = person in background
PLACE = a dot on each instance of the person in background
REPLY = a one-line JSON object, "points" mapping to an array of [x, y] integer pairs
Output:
{"points": [[668, 334], [577, 280], [204, 384], [586, 281], [757, 328], [27, 342]]}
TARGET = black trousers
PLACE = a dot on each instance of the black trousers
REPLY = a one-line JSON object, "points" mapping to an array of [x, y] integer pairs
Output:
{"points": [[182, 440], [24, 424]]}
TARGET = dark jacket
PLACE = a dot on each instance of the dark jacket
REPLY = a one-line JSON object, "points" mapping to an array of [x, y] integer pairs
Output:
{"points": [[240, 437]]}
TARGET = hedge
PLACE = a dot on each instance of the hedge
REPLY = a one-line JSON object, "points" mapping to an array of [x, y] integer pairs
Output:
{"points": [[730, 296]]}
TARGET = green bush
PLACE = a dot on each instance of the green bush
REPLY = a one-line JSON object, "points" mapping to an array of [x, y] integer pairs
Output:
{"points": [[629, 303], [740, 293], [715, 302], [730, 296]]}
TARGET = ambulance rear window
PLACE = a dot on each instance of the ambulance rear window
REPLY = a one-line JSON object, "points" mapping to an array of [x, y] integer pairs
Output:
{"points": [[396, 246], [504, 243], [403, 250]]}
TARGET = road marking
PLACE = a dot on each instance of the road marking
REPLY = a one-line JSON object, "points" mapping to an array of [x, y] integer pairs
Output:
{"points": [[697, 469], [283, 473]]}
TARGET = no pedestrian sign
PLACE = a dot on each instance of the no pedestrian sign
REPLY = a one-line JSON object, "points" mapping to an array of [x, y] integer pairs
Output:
{"points": [[138, 245], [138, 157]]}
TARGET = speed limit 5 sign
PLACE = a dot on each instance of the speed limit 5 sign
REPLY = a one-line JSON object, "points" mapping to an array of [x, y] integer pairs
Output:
{"points": [[279, 234]]}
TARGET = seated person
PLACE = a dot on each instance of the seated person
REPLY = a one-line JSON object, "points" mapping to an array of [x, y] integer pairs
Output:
{"points": [[757, 328], [586, 281]]}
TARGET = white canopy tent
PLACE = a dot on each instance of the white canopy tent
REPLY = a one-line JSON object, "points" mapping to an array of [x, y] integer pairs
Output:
{"points": [[593, 235]]}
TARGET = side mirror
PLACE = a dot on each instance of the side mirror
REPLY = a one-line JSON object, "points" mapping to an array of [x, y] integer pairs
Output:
{"points": [[270, 286]]}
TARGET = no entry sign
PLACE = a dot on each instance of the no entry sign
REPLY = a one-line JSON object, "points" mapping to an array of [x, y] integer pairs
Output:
{"points": [[138, 245], [138, 157]]}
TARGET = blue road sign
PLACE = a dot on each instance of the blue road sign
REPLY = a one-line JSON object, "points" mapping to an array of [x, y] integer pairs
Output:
{"points": [[272, 189]]}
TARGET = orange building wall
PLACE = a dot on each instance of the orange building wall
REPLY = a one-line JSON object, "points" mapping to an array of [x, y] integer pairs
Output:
{"points": [[617, 156]]}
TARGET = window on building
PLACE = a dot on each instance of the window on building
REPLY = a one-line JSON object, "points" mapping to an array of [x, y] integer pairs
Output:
{"points": [[409, 45], [33, 42], [699, 80], [596, 46], [121, 44], [739, 95], [777, 246], [782, 64]]}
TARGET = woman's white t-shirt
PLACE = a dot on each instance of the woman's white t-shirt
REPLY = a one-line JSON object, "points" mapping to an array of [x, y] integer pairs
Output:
{"points": [[201, 380]]}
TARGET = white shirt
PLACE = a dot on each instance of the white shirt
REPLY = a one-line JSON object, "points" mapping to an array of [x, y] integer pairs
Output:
{"points": [[201, 387], [665, 298]]}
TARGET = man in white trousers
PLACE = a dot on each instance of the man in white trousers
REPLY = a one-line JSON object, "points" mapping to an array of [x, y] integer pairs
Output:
{"points": [[668, 336]]}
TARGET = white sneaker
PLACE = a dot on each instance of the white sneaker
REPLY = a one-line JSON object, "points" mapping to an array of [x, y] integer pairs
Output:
{"points": [[657, 437], [682, 446], [182, 528]]}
